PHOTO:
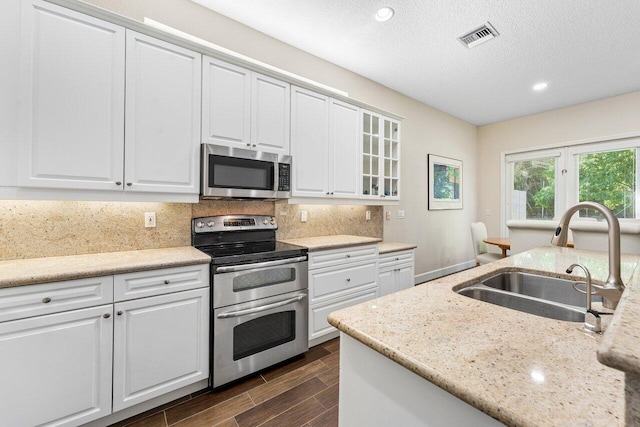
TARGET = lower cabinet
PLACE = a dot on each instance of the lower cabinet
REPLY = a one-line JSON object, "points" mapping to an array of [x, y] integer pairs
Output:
{"points": [[396, 271], [339, 278], [56, 369], [74, 366], [160, 345]]}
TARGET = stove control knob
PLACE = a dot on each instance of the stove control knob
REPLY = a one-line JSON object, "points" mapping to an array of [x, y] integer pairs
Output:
{"points": [[273, 220], [210, 224], [199, 224], [265, 221]]}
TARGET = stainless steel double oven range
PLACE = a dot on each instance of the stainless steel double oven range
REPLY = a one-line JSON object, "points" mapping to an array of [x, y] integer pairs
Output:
{"points": [[259, 294]]}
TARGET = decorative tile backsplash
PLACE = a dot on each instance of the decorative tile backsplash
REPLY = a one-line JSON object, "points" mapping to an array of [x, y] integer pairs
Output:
{"points": [[32, 229]]}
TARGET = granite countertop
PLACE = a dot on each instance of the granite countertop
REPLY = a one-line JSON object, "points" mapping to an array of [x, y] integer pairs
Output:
{"points": [[385, 247], [519, 368], [52, 269], [321, 243]]}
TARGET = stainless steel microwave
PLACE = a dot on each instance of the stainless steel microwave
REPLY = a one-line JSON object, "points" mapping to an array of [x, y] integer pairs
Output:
{"points": [[245, 174]]}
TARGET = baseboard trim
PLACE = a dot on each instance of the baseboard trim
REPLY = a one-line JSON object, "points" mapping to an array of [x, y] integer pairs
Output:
{"points": [[435, 274]]}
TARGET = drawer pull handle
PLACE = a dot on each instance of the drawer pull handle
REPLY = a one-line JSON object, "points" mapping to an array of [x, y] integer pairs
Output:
{"points": [[46, 300], [120, 312], [167, 281], [106, 315]]}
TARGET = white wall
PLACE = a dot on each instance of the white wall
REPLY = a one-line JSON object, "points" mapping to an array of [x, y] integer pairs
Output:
{"points": [[443, 238], [598, 119]]}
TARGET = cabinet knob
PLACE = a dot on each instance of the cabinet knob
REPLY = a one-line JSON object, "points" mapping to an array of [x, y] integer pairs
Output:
{"points": [[46, 300], [348, 279], [397, 259], [327, 193], [331, 193], [254, 145], [106, 315], [167, 281], [129, 184], [120, 312], [118, 182], [248, 145]]}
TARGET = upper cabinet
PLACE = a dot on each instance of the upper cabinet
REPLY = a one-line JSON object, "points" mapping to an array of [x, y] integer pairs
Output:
{"points": [[80, 128], [72, 94], [244, 109], [324, 147], [162, 132], [380, 157]]}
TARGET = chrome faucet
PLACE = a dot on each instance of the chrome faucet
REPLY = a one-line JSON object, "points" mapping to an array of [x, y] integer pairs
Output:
{"points": [[592, 320], [612, 290]]}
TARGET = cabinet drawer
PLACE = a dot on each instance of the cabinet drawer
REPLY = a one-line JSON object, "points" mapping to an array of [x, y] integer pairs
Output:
{"points": [[35, 300], [341, 256], [334, 282], [157, 282], [392, 259], [318, 324]]}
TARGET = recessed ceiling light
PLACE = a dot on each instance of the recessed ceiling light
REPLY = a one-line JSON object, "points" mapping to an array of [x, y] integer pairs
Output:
{"points": [[540, 86], [384, 14]]}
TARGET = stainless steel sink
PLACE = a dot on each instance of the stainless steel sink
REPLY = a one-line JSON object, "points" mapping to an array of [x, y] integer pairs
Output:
{"points": [[540, 295]]}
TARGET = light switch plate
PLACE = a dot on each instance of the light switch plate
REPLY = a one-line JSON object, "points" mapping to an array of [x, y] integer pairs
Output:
{"points": [[400, 214]]}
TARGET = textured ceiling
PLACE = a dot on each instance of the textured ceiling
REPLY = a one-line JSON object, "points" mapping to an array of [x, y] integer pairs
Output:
{"points": [[584, 49]]}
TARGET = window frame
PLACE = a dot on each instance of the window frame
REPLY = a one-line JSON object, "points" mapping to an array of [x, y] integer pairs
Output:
{"points": [[566, 181]]}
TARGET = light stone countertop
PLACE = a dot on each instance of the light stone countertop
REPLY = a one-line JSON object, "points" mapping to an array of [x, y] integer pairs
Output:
{"points": [[385, 247], [53, 269], [321, 243], [519, 368]]}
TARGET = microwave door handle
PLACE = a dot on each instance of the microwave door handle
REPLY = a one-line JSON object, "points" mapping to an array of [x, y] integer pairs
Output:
{"points": [[244, 267], [248, 311]]}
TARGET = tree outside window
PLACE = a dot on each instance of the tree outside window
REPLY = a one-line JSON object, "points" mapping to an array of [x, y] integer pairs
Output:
{"points": [[534, 189]]}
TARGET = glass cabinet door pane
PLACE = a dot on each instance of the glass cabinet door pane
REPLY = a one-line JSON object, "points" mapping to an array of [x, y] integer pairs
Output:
{"points": [[366, 123], [375, 128], [374, 146]]}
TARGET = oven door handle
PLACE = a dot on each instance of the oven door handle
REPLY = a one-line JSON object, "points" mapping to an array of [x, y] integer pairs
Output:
{"points": [[244, 267], [276, 304]]}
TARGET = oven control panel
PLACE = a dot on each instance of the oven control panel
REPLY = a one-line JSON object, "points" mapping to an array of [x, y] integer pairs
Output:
{"points": [[233, 222]]}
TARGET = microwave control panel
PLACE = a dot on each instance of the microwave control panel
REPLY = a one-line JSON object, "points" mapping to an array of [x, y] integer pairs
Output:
{"points": [[284, 174]]}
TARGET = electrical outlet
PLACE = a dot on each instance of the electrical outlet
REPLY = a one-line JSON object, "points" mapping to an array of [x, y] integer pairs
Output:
{"points": [[149, 219], [303, 216], [368, 215]]}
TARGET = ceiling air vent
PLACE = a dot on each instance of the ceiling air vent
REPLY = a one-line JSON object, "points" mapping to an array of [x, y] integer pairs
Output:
{"points": [[481, 34]]}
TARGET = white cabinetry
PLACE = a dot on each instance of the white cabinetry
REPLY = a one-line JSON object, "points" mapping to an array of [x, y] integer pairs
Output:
{"points": [[396, 271], [324, 134], [160, 345], [72, 93], [162, 130], [71, 356], [339, 278], [380, 157], [244, 109], [56, 367], [72, 128]]}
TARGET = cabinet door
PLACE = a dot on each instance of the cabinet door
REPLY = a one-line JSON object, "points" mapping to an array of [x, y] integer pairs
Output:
{"points": [[160, 344], [391, 158], [163, 116], [386, 282], [226, 104], [344, 149], [370, 156], [309, 143], [72, 94], [56, 369], [404, 277], [270, 113]]}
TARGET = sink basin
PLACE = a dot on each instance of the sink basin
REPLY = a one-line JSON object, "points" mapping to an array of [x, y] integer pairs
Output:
{"points": [[544, 296]]}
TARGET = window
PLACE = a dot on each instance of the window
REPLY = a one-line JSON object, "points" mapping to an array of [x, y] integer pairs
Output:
{"points": [[542, 184]]}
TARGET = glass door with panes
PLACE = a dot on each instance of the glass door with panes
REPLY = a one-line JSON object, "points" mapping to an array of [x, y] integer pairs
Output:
{"points": [[380, 157]]}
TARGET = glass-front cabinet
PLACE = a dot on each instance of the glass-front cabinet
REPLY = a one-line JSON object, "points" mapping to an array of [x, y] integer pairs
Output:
{"points": [[380, 157]]}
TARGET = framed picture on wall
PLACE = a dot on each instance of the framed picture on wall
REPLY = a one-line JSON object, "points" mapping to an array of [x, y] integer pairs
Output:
{"points": [[445, 183]]}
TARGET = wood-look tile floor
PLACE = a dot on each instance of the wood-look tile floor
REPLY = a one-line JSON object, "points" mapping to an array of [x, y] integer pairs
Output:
{"points": [[300, 392]]}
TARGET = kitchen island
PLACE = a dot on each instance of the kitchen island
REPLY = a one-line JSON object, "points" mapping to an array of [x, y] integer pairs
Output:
{"points": [[517, 368]]}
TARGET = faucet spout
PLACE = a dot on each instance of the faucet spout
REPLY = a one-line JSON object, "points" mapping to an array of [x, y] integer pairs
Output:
{"points": [[613, 287]]}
